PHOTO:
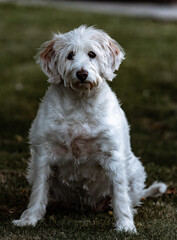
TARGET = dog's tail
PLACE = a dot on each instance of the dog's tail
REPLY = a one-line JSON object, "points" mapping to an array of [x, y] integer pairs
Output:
{"points": [[155, 190]]}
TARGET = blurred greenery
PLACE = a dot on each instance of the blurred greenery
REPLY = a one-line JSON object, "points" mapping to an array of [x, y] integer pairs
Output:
{"points": [[146, 85]]}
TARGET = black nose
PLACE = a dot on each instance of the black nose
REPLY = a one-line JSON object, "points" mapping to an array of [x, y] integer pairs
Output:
{"points": [[82, 75]]}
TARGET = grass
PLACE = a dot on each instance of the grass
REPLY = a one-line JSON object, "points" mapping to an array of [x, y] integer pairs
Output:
{"points": [[146, 84]]}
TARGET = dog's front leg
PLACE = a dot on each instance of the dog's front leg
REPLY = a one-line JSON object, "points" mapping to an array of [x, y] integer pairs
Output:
{"points": [[38, 199], [114, 166]]}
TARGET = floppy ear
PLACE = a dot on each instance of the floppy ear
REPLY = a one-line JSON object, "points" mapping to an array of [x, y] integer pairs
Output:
{"points": [[48, 61], [114, 54]]}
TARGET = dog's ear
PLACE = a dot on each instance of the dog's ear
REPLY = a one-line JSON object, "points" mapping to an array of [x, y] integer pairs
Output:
{"points": [[48, 61], [114, 54]]}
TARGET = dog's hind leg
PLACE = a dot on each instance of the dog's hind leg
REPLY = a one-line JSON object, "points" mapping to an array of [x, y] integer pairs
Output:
{"points": [[137, 177]]}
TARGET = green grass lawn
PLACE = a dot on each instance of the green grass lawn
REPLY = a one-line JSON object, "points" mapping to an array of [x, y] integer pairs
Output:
{"points": [[147, 87]]}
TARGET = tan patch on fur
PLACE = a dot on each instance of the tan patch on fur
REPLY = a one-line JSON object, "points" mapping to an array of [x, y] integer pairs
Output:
{"points": [[61, 150], [81, 146], [87, 85], [48, 52], [114, 48], [75, 149]]}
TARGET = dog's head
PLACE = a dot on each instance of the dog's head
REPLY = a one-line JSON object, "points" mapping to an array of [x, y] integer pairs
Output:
{"points": [[82, 58]]}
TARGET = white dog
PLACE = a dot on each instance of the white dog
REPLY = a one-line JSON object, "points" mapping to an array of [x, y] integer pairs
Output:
{"points": [[80, 143]]}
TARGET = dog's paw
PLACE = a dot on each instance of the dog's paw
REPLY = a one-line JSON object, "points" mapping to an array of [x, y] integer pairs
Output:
{"points": [[25, 221], [126, 226]]}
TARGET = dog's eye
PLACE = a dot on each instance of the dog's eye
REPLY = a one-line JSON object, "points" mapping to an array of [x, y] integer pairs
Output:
{"points": [[92, 54], [70, 56]]}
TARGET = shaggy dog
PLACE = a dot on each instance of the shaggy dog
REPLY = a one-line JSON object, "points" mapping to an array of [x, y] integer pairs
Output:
{"points": [[80, 143]]}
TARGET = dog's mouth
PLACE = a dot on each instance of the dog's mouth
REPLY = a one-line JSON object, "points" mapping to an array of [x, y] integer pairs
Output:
{"points": [[86, 86]]}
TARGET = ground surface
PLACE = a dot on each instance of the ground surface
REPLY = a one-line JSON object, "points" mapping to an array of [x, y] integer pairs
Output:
{"points": [[146, 85]]}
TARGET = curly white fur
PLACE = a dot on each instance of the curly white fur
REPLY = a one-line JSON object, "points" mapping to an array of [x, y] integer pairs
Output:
{"points": [[80, 143]]}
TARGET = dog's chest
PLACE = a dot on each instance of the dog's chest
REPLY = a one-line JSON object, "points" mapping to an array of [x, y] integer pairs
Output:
{"points": [[81, 138], [77, 139]]}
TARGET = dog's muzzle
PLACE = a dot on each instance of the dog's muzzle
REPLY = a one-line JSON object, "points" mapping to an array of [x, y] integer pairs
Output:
{"points": [[82, 75]]}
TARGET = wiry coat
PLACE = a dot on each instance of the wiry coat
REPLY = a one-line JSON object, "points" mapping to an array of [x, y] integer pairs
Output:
{"points": [[80, 144]]}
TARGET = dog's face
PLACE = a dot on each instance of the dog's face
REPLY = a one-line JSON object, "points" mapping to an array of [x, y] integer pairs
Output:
{"points": [[82, 58]]}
